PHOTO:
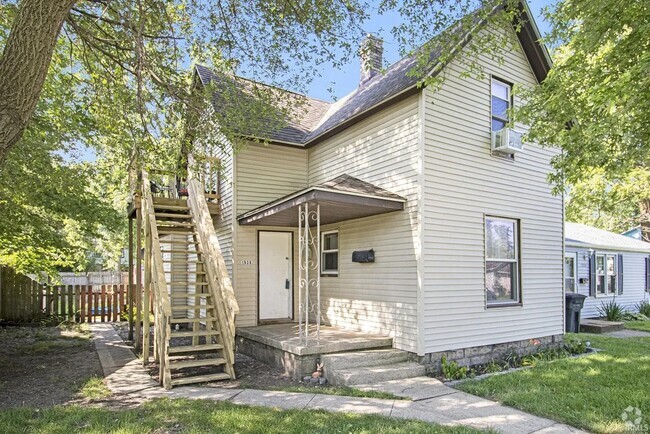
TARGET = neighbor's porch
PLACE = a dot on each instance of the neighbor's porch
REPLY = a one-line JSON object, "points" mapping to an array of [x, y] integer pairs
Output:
{"points": [[281, 345]]}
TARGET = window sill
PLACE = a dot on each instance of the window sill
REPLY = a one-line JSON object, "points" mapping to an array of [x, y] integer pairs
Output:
{"points": [[329, 275], [499, 305]]}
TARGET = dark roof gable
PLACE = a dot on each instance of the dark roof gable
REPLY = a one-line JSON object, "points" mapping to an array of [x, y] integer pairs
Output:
{"points": [[322, 119]]}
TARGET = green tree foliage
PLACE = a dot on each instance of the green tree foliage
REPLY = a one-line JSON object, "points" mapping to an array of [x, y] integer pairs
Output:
{"points": [[120, 83], [595, 105]]}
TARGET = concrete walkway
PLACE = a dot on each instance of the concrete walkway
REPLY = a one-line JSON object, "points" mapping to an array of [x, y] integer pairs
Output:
{"points": [[627, 333], [432, 401]]}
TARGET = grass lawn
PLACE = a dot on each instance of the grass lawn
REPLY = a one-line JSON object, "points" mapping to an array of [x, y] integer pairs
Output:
{"points": [[589, 392], [188, 416], [643, 326]]}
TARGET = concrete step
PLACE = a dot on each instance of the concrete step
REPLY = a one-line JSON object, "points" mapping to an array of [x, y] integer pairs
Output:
{"points": [[363, 358], [373, 374], [600, 326]]}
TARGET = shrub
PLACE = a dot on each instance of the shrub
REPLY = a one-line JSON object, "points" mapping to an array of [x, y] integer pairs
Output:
{"points": [[643, 308], [492, 367], [451, 370], [574, 345], [634, 316], [611, 311]]}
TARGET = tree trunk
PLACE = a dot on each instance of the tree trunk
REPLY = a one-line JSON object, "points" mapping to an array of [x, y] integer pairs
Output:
{"points": [[644, 219], [24, 64]]}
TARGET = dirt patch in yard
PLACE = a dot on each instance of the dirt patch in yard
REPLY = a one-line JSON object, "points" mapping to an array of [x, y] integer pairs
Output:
{"points": [[44, 366]]}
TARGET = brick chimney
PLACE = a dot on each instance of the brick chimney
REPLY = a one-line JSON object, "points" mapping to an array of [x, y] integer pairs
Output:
{"points": [[371, 56]]}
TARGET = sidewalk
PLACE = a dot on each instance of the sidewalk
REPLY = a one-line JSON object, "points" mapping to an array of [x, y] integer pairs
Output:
{"points": [[432, 401]]}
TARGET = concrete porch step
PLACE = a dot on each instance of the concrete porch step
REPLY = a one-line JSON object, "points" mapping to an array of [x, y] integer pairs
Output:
{"points": [[373, 374], [359, 359], [600, 326]]}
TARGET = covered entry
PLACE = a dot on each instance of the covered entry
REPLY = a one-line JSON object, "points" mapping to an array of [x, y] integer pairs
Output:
{"points": [[340, 199]]}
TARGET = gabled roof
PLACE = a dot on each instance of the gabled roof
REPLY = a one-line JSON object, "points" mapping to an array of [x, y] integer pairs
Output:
{"points": [[323, 119], [579, 235]]}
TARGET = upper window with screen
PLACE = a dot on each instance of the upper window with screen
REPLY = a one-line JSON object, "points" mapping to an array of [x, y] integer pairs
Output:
{"points": [[501, 101]]}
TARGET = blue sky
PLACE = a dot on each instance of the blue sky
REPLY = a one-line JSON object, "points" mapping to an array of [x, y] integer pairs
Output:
{"points": [[346, 79]]}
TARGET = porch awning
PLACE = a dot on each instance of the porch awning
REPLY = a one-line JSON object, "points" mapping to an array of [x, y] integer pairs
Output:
{"points": [[342, 198]]}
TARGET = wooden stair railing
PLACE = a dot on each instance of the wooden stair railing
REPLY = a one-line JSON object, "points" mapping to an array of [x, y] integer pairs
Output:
{"points": [[201, 304], [218, 279], [155, 278]]}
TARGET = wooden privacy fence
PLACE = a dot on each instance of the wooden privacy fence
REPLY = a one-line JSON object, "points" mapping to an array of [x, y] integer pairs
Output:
{"points": [[23, 300]]}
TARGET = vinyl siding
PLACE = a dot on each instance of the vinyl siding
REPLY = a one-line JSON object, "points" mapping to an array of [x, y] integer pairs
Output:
{"points": [[633, 281], [378, 297], [463, 182], [223, 223], [262, 173]]}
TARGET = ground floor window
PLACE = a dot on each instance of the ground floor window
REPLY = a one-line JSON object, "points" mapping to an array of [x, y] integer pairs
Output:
{"points": [[501, 261], [570, 273], [330, 253], [606, 274]]}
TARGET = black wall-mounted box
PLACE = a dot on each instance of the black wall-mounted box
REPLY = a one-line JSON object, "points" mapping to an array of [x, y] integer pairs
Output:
{"points": [[363, 256]]}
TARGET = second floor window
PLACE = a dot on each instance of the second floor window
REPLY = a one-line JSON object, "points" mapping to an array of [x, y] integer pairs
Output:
{"points": [[501, 102]]}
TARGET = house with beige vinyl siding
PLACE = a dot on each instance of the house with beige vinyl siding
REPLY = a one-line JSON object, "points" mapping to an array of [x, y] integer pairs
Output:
{"points": [[392, 218]]}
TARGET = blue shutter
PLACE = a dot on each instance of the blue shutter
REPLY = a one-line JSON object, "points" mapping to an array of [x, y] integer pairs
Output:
{"points": [[592, 275], [647, 273], [620, 274]]}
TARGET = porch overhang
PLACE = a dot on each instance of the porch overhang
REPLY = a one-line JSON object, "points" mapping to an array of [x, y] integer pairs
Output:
{"points": [[343, 198]]}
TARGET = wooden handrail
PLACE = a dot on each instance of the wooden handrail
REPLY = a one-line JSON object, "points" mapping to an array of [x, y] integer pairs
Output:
{"points": [[159, 280], [219, 282]]}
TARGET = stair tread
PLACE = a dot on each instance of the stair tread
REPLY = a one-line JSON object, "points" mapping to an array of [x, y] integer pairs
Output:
{"points": [[194, 252], [178, 261], [179, 364], [189, 334], [165, 223], [368, 357], [200, 379], [184, 282], [172, 215], [195, 306], [179, 295], [158, 206], [184, 320], [381, 368], [162, 230], [194, 348]]}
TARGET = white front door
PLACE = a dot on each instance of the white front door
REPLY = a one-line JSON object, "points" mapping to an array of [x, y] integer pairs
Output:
{"points": [[275, 275]]}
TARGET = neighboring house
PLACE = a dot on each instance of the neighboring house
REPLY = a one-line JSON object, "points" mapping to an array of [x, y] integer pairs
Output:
{"points": [[605, 266], [467, 241], [633, 233]]}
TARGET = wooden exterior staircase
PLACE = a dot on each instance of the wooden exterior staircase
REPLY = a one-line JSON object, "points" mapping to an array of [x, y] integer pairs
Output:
{"points": [[186, 278]]}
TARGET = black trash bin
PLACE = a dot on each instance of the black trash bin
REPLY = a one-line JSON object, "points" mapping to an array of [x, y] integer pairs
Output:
{"points": [[572, 308]]}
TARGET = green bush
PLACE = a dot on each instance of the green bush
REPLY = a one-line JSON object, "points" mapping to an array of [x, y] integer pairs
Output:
{"points": [[574, 345], [634, 316], [452, 371], [643, 308], [611, 311]]}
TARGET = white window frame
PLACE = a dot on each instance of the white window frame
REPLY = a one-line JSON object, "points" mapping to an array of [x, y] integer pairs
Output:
{"points": [[516, 278], [508, 87], [573, 256], [607, 275], [323, 271]]}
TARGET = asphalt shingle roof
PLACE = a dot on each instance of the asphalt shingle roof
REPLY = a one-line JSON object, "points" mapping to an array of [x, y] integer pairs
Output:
{"points": [[579, 234]]}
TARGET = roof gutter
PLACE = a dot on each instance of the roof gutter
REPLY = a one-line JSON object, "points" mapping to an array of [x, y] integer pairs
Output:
{"points": [[603, 247]]}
